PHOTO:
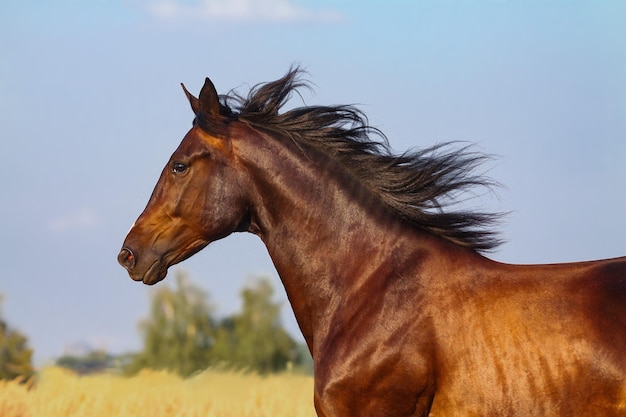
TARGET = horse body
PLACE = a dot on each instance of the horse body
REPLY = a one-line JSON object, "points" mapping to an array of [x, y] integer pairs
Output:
{"points": [[533, 340], [401, 320]]}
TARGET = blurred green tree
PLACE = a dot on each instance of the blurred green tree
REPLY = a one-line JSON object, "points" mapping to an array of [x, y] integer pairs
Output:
{"points": [[179, 333], [182, 335], [254, 339], [90, 362], [15, 354]]}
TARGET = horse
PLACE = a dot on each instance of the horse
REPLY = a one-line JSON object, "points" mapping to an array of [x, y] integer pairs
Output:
{"points": [[403, 312]]}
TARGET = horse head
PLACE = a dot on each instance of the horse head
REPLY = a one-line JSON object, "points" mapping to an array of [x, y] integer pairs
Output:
{"points": [[199, 197]]}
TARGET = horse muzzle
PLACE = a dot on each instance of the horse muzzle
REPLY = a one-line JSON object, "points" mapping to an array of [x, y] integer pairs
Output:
{"points": [[150, 273]]}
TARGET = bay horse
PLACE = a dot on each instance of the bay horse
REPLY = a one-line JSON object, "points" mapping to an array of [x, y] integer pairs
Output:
{"points": [[402, 312]]}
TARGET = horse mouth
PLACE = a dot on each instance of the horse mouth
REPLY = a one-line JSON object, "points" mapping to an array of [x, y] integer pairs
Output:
{"points": [[157, 270], [154, 274]]}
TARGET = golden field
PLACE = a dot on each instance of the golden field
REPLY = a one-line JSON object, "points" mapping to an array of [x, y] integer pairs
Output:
{"points": [[60, 393]]}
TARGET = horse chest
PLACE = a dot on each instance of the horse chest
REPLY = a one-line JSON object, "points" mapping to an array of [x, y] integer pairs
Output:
{"points": [[373, 377]]}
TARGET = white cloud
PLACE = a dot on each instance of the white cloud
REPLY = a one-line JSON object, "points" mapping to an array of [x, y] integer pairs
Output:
{"points": [[78, 220], [240, 10]]}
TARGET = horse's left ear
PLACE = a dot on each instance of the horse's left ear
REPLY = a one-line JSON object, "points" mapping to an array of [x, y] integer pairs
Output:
{"points": [[195, 105]]}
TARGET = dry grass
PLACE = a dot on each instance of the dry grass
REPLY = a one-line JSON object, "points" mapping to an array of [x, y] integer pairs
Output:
{"points": [[60, 393]]}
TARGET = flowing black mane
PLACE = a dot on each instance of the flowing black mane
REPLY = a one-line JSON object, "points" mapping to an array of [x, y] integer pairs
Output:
{"points": [[419, 185]]}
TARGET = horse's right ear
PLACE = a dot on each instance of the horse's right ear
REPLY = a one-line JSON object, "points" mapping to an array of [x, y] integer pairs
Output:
{"points": [[195, 104]]}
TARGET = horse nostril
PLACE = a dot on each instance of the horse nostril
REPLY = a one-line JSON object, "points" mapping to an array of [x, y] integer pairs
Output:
{"points": [[126, 258]]}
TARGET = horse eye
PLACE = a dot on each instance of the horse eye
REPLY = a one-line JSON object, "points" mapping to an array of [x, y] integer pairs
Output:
{"points": [[179, 168]]}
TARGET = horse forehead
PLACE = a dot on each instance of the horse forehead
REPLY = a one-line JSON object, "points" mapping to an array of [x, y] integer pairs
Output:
{"points": [[197, 140]]}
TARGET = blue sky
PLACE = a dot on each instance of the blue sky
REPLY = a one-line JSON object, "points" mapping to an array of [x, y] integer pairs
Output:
{"points": [[91, 108]]}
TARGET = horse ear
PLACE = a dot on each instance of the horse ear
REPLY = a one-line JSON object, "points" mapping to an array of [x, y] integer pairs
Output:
{"points": [[209, 100], [195, 105]]}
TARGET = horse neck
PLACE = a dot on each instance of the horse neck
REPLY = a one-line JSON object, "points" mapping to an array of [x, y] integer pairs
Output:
{"points": [[325, 232]]}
